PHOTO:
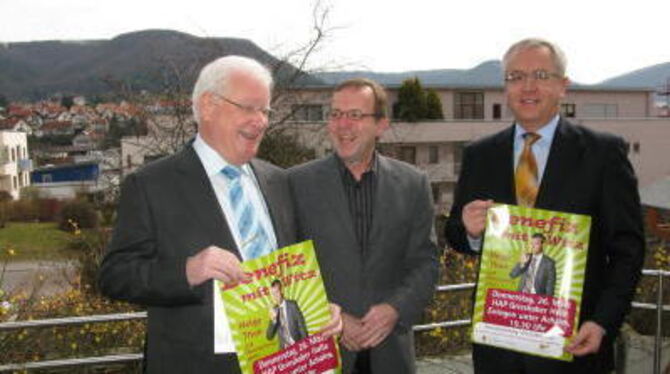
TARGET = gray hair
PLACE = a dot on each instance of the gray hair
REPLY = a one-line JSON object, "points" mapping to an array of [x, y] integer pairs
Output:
{"points": [[214, 77], [557, 55]]}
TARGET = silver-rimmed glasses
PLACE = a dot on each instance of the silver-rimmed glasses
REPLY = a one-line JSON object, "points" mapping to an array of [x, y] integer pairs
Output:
{"points": [[354, 114], [248, 109], [517, 76]]}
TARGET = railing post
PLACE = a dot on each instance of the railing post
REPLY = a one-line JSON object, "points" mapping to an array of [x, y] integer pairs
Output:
{"points": [[659, 325]]}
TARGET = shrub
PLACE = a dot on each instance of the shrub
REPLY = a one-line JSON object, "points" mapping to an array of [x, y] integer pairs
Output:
{"points": [[78, 214], [449, 306], [90, 244], [87, 340]]}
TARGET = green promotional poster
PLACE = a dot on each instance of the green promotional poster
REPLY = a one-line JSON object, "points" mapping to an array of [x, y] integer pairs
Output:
{"points": [[531, 280], [276, 317]]}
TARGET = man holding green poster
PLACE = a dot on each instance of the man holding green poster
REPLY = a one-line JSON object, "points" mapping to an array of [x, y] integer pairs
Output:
{"points": [[188, 220], [544, 161]]}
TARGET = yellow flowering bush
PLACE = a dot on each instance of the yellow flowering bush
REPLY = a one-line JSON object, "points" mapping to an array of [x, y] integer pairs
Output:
{"points": [[449, 306], [49, 343], [82, 299]]}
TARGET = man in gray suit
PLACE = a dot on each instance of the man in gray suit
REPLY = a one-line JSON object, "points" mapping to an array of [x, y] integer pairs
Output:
{"points": [[537, 270], [285, 318], [178, 228], [371, 218]]}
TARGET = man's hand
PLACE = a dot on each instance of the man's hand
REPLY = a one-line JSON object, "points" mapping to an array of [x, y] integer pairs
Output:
{"points": [[334, 326], [588, 339], [351, 329], [377, 325], [525, 257], [214, 263], [474, 217]]}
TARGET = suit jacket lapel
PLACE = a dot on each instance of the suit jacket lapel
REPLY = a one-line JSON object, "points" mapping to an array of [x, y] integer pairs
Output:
{"points": [[503, 169], [383, 194], [566, 152], [199, 194], [338, 205]]}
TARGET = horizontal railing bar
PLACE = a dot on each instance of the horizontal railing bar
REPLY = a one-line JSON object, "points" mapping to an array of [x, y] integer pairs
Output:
{"points": [[430, 326], [649, 306], [664, 273], [141, 315], [455, 287], [72, 320], [114, 359]]}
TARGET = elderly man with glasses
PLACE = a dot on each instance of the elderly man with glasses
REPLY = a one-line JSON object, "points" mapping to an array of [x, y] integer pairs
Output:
{"points": [[192, 217], [371, 218]]}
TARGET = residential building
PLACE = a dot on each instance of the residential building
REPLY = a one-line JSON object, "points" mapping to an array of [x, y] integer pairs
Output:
{"points": [[15, 165], [470, 113], [474, 112], [66, 181]]}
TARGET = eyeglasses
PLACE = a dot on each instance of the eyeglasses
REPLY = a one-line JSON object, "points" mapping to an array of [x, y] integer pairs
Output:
{"points": [[248, 109], [517, 76], [354, 114]]}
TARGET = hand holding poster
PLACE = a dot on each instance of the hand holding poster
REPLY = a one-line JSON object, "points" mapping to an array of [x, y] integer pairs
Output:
{"points": [[530, 280], [275, 318]]}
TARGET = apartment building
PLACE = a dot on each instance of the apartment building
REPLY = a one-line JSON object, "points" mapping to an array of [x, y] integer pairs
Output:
{"points": [[473, 112], [15, 165]]}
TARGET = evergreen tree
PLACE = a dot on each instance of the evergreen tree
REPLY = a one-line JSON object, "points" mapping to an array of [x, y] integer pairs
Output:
{"points": [[433, 105], [411, 105]]}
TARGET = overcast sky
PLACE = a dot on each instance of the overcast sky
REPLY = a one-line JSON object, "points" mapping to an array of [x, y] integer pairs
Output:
{"points": [[601, 38]]}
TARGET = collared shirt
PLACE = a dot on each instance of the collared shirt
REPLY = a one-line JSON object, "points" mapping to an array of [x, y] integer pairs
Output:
{"points": [[540, 148], [532, 270], [213, 164], [360, 197], [284, 321]]}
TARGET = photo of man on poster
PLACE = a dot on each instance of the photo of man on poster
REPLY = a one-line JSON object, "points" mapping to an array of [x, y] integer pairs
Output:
{"points": [[537, 270], [286, 318]]}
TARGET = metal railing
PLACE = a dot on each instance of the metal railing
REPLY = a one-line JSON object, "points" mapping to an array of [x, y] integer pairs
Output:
{"points": [[122, 358]]}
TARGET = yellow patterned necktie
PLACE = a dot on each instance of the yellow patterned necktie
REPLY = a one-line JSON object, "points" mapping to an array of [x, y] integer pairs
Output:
{"points": [[525, 178]]}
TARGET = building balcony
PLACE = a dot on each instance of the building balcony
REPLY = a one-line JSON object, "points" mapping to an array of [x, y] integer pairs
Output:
{"points": [[26, 164]]}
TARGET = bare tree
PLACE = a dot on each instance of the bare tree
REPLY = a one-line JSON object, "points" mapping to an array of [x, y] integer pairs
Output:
{"points": [[168, 118]]}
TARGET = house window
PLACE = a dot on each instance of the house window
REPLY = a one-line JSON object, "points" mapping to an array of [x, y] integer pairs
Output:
{"points": [[469, 105], [308, 112], [569, 110], [407, 154], [433, 154], [15, 182], [497, 111], [13, 152]]}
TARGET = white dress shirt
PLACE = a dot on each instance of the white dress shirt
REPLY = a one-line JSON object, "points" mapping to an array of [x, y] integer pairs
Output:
{"points": [[213, 164]]}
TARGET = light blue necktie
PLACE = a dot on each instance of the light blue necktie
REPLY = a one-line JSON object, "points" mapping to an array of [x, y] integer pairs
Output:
{"points": [[254, 240]]}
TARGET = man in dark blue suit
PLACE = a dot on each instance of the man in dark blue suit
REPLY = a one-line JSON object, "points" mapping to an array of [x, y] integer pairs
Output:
{"points": [[578, 171], [537, 270], [286, 318]]}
